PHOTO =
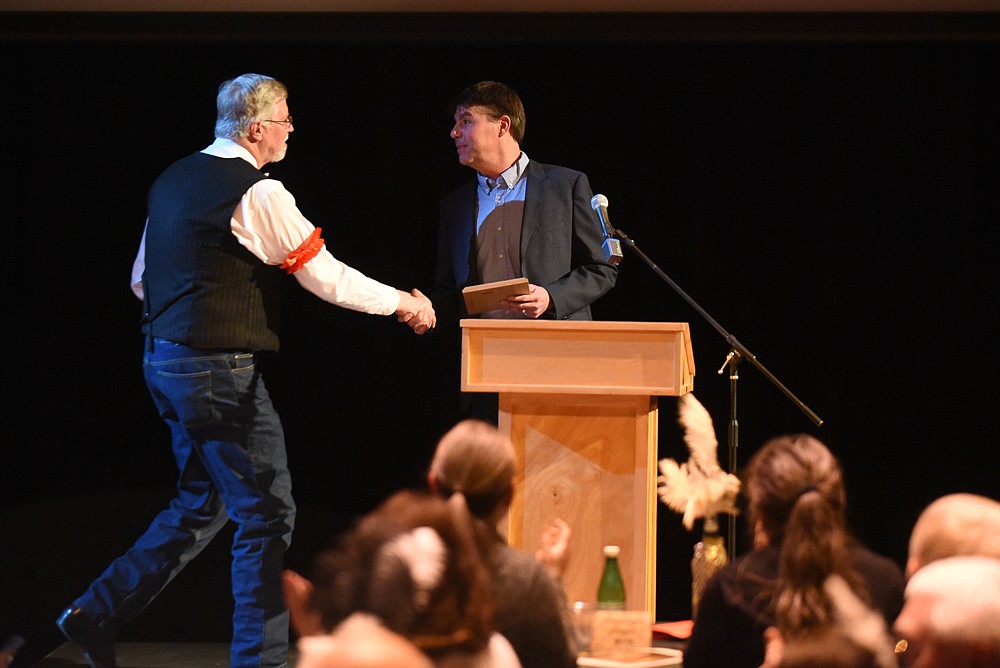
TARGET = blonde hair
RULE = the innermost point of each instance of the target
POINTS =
(474, 458)
(244, 100)
(956, 525)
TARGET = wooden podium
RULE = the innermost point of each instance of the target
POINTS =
(578, 400)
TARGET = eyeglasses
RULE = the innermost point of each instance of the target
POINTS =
(287, 121)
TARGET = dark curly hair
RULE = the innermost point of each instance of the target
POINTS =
(365, 573)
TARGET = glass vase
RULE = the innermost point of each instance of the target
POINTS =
(709, 556)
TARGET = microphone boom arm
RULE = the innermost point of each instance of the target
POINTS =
(737, 352)
(738, 347)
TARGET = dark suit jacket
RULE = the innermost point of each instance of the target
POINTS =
(561, 241)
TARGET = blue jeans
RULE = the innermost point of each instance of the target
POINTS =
(230, 451)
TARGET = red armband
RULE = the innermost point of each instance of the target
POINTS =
(306, 251)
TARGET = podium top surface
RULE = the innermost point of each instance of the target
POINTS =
(577, 357)
(573, 325)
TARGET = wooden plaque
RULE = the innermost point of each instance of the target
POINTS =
(487, 297)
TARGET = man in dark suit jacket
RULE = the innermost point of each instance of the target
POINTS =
(518, 218)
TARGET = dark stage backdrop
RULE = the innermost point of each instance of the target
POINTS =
(825, 186)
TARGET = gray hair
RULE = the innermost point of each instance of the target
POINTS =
(244, 100)
(966, 599)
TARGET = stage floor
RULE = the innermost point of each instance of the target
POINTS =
(151, 655)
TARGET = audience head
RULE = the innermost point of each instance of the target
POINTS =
(360, 642)
(474, 458)
(951, 617)
(789, 474)
(795, 501)
(955, 525)
(418, 563)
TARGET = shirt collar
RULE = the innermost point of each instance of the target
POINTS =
(509, 176)
(227, 148)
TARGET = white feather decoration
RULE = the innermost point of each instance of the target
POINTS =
(698, 487)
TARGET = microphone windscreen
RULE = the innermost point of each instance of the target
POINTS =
(597, 201)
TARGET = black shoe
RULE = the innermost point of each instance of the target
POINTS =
(96, 643)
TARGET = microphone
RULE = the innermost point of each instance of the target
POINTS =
(612, 247)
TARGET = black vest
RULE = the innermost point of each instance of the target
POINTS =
(202, 288)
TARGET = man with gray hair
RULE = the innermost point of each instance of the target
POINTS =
(218, 234)
(951, 618)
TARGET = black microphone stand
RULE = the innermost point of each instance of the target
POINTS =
(737, 352)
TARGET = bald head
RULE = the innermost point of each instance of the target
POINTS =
(955, 525)
(360, 642)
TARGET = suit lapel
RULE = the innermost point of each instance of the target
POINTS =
(533, 196)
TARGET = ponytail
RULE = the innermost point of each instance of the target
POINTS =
(816, 544)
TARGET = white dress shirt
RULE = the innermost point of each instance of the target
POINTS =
(269, 224)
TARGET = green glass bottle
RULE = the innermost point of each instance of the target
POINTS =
(611, 591)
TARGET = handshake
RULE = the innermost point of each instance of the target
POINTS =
(415, 310)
